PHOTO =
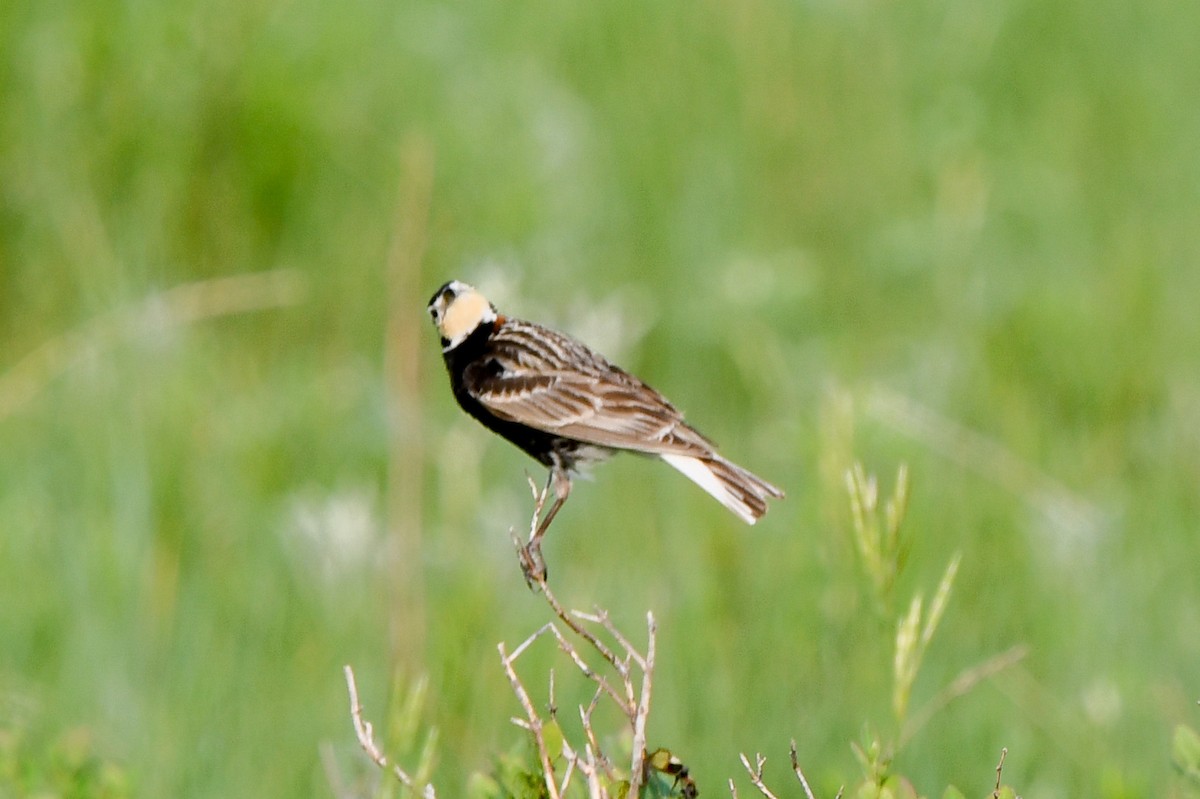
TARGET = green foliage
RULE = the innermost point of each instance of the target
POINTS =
(515, 775)
(913, 636)
(66, 766)
(878, 542)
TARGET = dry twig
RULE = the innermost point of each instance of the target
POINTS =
(619, 682)
(756, 774)
(366, 738)
(532, 721)
(634, 705)
(799, 773)
(1000, 771)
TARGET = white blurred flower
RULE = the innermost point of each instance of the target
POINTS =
(334, 535)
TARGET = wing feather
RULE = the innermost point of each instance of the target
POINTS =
(548, 381)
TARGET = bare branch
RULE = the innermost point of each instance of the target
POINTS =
(595, 759)
(629, 694)
(569, 771)
(585, 717)
(572, 621)
(601, 616)
(534, 721)
(366, 739)
(800, 774)
(625, 704)
(637, 769)
(756, 774)
(538, 633)
(1000, 771)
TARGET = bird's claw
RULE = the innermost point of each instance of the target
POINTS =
(533, 565)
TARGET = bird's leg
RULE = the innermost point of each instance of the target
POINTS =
(562, 489)
(532, 562)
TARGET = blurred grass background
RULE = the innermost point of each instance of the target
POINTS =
(962, 236)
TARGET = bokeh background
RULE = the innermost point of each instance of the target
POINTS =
(961, 236)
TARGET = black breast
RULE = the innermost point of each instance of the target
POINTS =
(546, 448)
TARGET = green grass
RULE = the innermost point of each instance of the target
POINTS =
(772, 211)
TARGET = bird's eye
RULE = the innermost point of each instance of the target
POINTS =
(433, 313)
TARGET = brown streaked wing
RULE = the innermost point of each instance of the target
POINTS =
(545, 380)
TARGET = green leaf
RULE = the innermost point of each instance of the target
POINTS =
(552, 734)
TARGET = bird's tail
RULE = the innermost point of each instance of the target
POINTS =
(741, 491)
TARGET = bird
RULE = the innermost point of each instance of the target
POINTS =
(568, 407)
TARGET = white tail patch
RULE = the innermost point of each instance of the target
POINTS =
(702, 475)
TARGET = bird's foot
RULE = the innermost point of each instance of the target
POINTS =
(533, 565)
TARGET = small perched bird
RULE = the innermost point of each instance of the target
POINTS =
(567, 406)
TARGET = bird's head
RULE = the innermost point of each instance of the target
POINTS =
(457, 310)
